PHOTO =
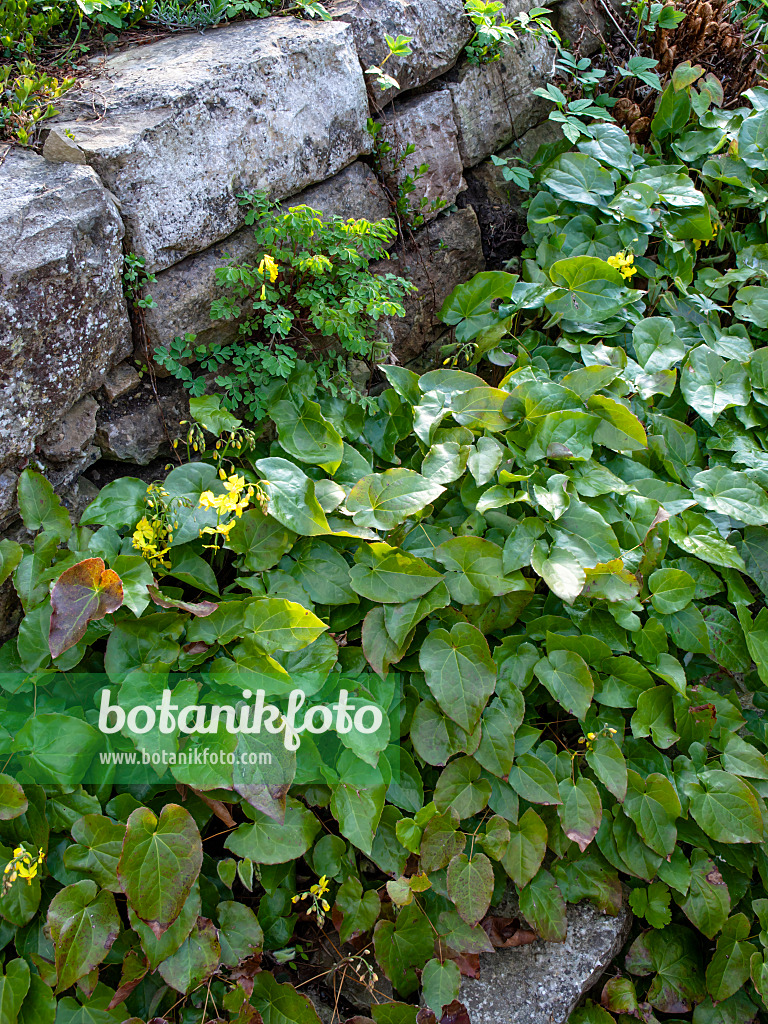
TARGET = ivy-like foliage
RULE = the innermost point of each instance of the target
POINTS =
(552, 587)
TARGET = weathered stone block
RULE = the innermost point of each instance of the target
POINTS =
(139, 426)
(178, 128)
(71, 434)
(494, 103)
(442, 255)
(438, 33)
(427, 123)
(63, 320)
(542, 983)
(184, 293)
(580, 24)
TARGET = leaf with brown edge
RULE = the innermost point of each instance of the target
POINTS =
(201, 609)
(455, 1013)
(159, 863)
(507, 932)
(83, 593)
(134, 970)
(468, 963)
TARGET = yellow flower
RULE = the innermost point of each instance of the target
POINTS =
(268, 268)
(622, 261)
(24, 865)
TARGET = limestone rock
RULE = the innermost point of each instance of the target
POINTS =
(443, 255)
(184, 293)
(494, 103)
(60, 149)
(177, 129)
(542, 983)
(120, 380)
(63, 320)
(427, 123)
(71, 434)
(580, 24)
(438, 33)
(140, 426)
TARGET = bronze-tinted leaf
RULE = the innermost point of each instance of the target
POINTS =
(83, 593)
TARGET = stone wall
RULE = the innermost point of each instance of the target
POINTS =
(148, 156)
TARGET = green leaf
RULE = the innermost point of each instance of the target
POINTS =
(404, 947)
(360, 909)
(83, 593)
(306, 434)
(382, 500)
(654, 806)
(40, 507)
(240, 934)
(526, 849)
(440, 984)
(560, 570)
(459, 671)
(441, 841)
(207, 411)
(14, 985)
(261, 538)
(470, 885)
(83, 923)
(711, 385)
(461, 788)
(159, 949)
(607, 762)
(672, 113)
(728, 969)
(726, 808)
(480, 408)
(280, 1004)
(657, 347)
(543, 906)
(401, 619)
(387, 575)
(707, 903)
(578, 178)
(671, 589)
(159, 863)
(13, 802)
(697, 535)
(96, 850)
(57, 748)
(673, 956)
(580, 811)
(586, 288)
(39, 1006)
(10, 556)
(732, 494)
(120, 503)
(291, 497)
(274, 624)
(357, 800)
(533, 780)
(566, 676)
(652, 904)
(266, 841)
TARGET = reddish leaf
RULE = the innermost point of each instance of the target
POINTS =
(507, 932)
(201, 609)
(455, 1013)
(425, 1016)
(245, 972)
(134, 970)
(83, 593)
(468, 963)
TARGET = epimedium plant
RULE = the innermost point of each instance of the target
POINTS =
(312, 296)
(551, 588)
